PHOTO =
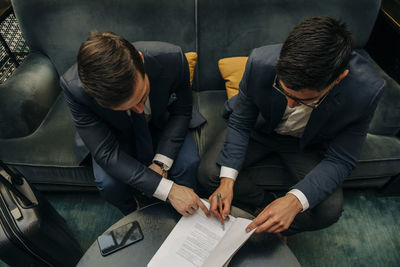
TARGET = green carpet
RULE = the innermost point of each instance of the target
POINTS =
(367, 234)
(87, 214)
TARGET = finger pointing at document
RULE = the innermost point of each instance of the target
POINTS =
(186, 201)
(277, 216)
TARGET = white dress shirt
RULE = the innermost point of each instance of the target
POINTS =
(293, 123)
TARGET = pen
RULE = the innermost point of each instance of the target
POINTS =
(220, 210)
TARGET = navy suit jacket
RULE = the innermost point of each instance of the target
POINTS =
(109, 135)
(339, 124)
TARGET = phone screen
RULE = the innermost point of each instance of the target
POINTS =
(119, 238)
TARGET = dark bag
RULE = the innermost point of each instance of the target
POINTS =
(32, 233)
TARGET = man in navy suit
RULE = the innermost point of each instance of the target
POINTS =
(310, 100)
(132, 108)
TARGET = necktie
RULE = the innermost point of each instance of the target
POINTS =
(144, 144)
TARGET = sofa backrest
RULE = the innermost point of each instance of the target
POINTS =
(230, 28)
(215, 29)
(57, 27)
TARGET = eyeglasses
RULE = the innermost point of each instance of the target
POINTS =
(278, 87)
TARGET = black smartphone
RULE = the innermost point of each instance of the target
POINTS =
(119, 238)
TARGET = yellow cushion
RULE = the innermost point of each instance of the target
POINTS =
(232, 69)
(191, 58)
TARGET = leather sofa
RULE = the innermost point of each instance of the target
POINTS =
(36, 131)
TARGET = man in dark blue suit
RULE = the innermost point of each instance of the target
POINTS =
(310, 100)
(132, 110)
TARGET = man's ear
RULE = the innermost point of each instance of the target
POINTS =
(342, 76)
(141, 55)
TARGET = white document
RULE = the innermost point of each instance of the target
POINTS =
(200, 241)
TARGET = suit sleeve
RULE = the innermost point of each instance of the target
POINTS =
(241, 122)
(180, 111)
(339, 159)
(105, 148)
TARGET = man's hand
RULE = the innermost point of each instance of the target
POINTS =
(185, 200)
(158, 170)
(277, 216)
(226, 190)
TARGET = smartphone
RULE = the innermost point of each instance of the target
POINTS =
(119, 238)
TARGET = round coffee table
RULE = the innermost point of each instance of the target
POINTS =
(159, 219)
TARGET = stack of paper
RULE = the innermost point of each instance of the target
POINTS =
(200, 241)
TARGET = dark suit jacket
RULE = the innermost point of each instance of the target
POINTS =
(339, 124)
(109, 135)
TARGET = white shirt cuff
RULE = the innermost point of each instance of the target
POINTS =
(164, 159)
(301, 197)
(228, 173)
(163, 189)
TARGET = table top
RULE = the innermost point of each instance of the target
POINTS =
(158, 220)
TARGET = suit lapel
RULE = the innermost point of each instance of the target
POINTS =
(320, 115)
(278, 106)
(154, 71)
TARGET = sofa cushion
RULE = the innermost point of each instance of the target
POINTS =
(232, 70)
(209, 103)
(386, 120)
(380, 157)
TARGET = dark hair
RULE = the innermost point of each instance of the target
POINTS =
(107, 67)
(314, 54)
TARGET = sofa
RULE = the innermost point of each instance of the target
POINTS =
(36, 130)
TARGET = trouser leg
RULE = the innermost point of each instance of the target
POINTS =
(245, 190)
(328, 211)
(321, 216)
(115, 192)
(184, 169)
(260, 147)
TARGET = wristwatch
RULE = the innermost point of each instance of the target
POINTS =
(162, 165)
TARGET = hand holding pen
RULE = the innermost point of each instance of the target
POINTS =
(226, 195)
